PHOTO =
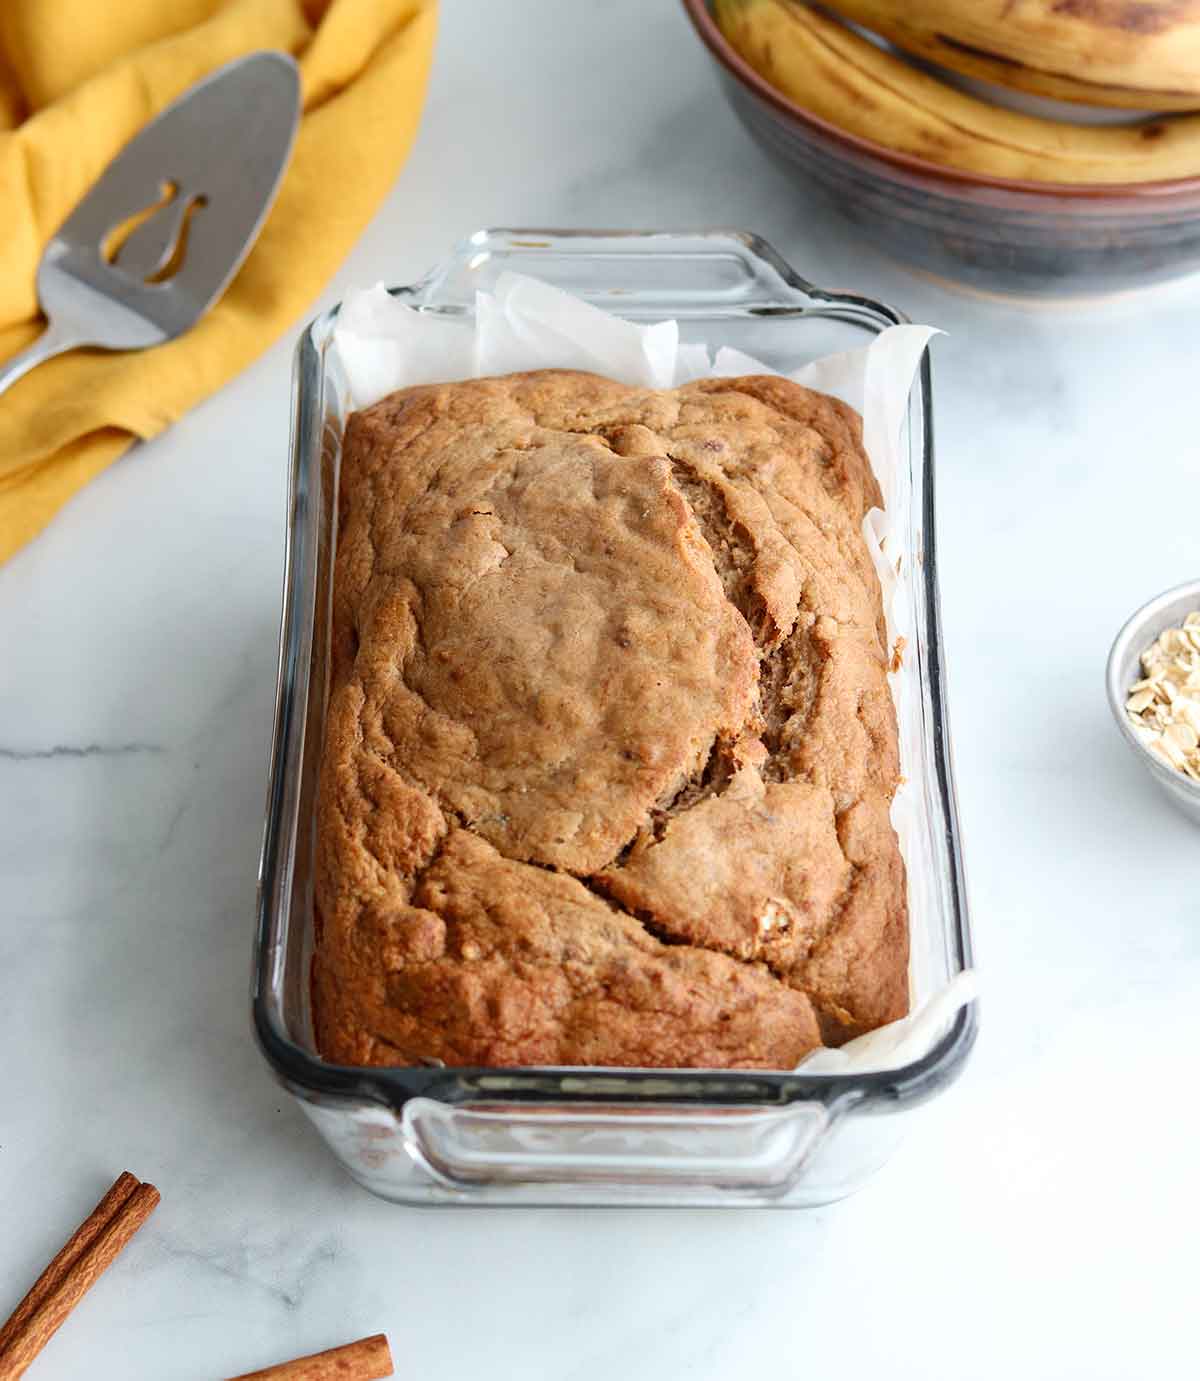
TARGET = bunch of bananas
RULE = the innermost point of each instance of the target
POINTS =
(1131, 54)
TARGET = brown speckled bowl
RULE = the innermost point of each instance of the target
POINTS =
(1032, 239)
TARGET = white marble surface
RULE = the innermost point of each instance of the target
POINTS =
(1041, 1218)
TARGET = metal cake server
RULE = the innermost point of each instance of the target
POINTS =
(202, 177)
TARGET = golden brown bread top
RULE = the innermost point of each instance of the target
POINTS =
(609, 745)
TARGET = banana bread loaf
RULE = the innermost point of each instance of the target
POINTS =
(609, 745)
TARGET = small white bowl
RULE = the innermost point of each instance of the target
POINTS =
(1168, 610)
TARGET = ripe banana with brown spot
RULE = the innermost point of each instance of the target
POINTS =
(830, 70)
(1135, 54)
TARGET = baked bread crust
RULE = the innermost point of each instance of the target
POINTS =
(609, 744)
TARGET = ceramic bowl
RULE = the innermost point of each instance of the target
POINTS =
(997, 235)
(1168, 610)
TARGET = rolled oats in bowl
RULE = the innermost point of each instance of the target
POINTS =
(1164, 706)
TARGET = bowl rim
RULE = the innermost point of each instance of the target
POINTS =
(1131, 632)
(712, 37)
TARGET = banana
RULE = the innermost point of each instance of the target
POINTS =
(1135, 54)
(841, 77)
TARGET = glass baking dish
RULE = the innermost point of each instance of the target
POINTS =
(435, 1135)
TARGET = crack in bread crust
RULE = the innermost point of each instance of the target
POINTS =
(730, 547)
(609, 747)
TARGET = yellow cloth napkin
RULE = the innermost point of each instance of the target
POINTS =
(77, 81)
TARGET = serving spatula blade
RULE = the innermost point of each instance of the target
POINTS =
(202, 177)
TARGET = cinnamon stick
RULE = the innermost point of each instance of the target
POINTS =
(91, 1249)
(366, 1360)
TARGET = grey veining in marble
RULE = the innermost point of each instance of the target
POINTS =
(1040, 1220)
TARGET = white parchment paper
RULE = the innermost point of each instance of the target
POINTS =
(527, 324)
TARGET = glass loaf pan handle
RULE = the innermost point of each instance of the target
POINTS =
(762, 1149)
